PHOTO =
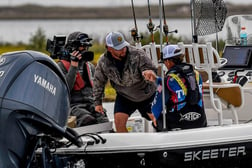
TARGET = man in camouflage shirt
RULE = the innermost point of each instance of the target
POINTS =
(123, 66)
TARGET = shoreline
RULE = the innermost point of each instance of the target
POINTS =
(28, 11)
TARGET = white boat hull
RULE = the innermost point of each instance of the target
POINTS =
(217, 146)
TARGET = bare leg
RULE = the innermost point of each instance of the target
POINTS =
(121, 121)
(152, 118)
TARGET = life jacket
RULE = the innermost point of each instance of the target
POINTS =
(79, 82)
(183, 86)
(189, 88)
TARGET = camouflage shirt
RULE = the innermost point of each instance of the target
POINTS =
(129, 83)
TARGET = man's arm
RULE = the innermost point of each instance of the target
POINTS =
(73, 69)
(145, 62)
(100, 80)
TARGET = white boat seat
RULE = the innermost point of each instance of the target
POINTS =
(204, 58)
(203, 75)
(153, 52)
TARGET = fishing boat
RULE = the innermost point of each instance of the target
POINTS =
(33, 131)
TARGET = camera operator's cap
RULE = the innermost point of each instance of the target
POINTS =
(170, 51)
(78, 36)
(116, 41)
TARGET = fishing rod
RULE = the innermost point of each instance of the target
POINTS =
(165, 26)
(134, 31)
(150, 25)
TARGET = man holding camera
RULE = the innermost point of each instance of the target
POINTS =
(79, 75)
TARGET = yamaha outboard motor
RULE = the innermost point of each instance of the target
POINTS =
(34, 100)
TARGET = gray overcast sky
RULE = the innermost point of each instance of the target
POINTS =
(102, 2)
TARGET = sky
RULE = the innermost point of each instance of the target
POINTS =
(101, 2)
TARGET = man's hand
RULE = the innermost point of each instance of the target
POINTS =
(99, 109)
(149, 75)
(75, 57)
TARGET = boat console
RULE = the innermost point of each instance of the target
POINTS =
(239, 63)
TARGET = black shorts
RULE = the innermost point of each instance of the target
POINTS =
(128, 107)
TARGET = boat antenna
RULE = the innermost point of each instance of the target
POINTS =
(150, 25)
(134, 31)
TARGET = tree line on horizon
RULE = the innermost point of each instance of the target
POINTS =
(180, 10)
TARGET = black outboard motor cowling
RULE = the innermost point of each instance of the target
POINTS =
(34, 99)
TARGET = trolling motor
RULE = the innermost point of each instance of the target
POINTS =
(34, 104)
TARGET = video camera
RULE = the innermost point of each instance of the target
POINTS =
(59, 50)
